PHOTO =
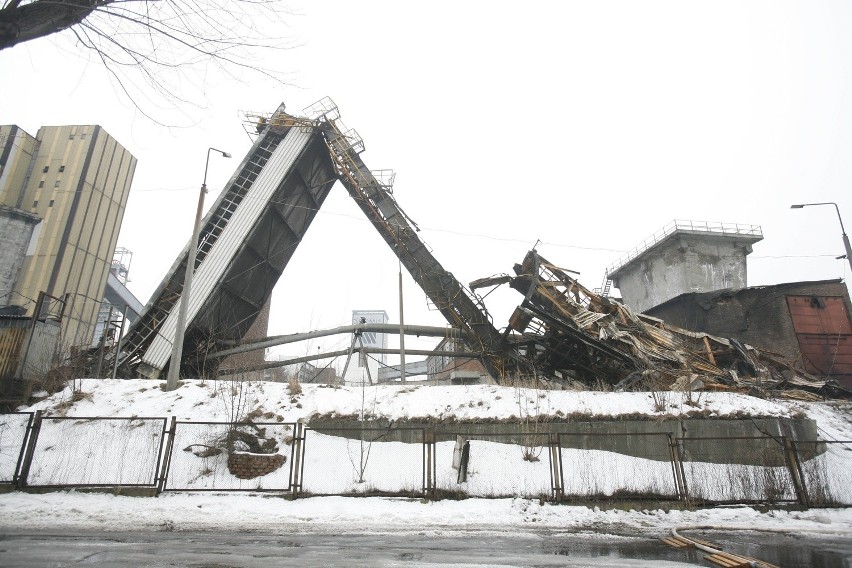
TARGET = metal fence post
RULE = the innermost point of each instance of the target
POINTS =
(23, 470)
(429, 466)
(677, 467)
(167, 455)
(555, 467)
(791, 458)
(297, 461)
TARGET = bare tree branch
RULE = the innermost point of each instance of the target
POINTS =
(160, 47)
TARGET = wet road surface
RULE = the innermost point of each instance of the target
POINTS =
(413, 550)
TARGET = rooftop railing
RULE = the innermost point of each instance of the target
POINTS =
(686, 226)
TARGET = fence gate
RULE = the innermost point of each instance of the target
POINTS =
(94, 452)
(738, 470)
(363, 461)
(494, 465)
(14, 432)
(617, 465)
(224, 456)
(825, 469)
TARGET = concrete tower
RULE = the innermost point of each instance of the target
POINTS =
(685, 256)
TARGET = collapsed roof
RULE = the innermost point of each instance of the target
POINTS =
(567, 333)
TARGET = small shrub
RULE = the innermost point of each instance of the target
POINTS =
(294, 387)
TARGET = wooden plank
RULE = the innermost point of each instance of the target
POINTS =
(727, 560)
(676, 543)
(709, 350)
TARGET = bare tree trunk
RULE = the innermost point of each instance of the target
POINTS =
(20, 23)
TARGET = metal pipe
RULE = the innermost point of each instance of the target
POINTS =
(428, 331)
(118, 344)
(330, 354)
(401, 328)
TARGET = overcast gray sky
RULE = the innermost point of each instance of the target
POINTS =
(586, 125)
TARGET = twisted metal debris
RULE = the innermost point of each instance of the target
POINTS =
(568, 333)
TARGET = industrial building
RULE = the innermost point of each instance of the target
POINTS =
(68, 188)
(693, 274)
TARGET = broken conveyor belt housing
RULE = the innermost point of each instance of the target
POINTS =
(246, 241)
(568, 332)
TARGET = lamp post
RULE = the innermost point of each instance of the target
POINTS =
(180, 329)
(842, 229)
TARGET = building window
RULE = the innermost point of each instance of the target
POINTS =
(35, 203)
(46, 168)
(70, 137)
(61, 168)
(82, 136)
(41, 184)
(56, 183)
(50, 204)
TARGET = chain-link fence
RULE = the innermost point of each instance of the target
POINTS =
(826, 470)
(95, 452)
(493, 465)
(222, 456)
(592, 467)
(199, 456)
(347, 461)
(737, 470)
(13, 434)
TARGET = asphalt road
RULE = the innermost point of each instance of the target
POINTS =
(407, 548)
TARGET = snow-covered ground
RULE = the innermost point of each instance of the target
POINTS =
(223, 400)
(212, 401)
(173, 511)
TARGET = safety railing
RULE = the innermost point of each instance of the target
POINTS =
(686, 226)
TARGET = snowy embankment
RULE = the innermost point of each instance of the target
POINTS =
(214, 401)
(222, 401)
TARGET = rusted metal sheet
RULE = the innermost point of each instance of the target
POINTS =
(821, 315)
(12, 335)
(824, 332)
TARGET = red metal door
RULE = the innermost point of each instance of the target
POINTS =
(824, 332)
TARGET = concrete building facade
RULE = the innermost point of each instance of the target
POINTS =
(685, 256)
(77, 180)
(16, 235)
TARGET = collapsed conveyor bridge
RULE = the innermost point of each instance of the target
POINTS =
(252, 230)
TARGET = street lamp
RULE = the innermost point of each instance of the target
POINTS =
(180, 329)
(842, 229)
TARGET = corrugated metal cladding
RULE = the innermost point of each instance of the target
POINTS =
(824, 331)
(42, 350)
(12, 335)
(222, 254)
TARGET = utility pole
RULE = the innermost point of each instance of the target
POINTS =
(842, 228)
(180, 329)
(401, 328)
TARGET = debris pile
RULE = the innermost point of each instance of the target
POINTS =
(570, 334)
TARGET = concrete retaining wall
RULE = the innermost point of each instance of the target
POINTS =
(637, 438)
